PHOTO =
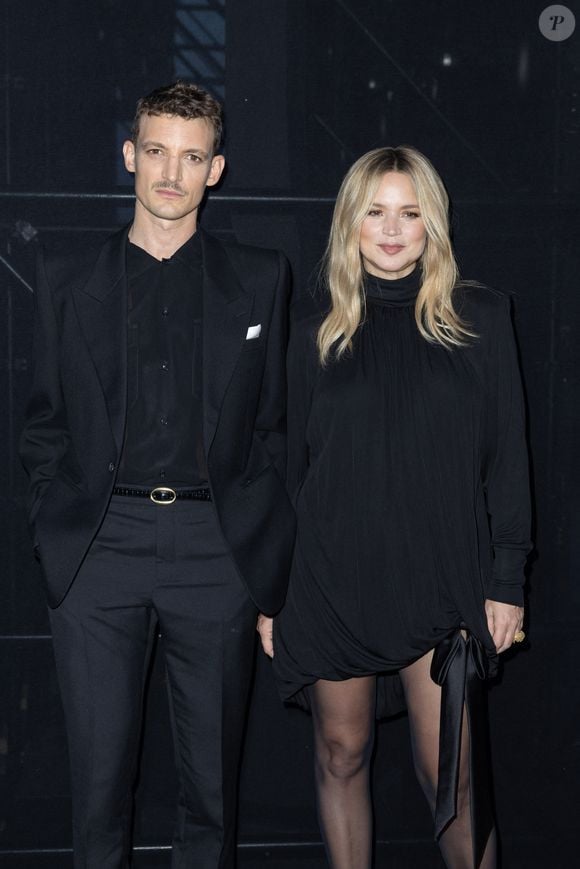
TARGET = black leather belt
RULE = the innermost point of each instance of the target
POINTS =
(164, 494)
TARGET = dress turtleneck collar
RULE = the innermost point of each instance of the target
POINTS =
(399, 293)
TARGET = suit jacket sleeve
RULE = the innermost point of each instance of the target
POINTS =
(271, 414)
(45, 436)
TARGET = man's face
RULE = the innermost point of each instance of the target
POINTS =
(173, 164)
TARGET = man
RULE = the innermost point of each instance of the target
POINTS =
(155, 447)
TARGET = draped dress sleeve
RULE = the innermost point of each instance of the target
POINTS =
(505, 469)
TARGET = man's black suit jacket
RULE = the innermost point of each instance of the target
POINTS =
(76, 415)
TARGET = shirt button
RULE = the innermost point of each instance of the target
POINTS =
(111, 467)
(163, 420)
(164, 311)
(165, 365)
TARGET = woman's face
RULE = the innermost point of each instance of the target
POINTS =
(392, 236)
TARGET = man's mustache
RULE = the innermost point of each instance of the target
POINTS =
(167, 185)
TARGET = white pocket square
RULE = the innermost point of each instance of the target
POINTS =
(253, 332)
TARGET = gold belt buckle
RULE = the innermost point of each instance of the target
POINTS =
(163, 495)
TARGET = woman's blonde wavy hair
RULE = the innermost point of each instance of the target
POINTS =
(342, 266)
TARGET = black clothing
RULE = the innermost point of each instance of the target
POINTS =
(164, 436)
(111, 564)
(408, 468)
(76, 416)
(170, 565)
(398, 294)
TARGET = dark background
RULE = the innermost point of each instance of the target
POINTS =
(309, 86)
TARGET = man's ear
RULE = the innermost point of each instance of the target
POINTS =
(129, 155)
(217, 167)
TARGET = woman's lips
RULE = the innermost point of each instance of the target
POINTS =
(391, 249)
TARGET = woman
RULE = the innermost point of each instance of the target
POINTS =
(408, 468)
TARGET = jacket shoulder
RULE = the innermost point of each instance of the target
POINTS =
(69, 267)
(245, 252)
(479, 306)
(260, 271)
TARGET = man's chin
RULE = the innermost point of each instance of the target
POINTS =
(173, 214)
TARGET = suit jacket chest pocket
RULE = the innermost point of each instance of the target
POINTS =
(250, 371)
(251, 359)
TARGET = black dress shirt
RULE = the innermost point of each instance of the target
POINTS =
(164, 435)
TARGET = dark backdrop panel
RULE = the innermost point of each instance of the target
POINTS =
(309, 86)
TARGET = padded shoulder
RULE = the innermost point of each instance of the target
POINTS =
(480, 306)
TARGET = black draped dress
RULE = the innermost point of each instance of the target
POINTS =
(408, 468)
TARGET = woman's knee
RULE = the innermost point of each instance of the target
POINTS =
(342, 756)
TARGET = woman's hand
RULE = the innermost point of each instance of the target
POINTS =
(264, 628)
(504, 620)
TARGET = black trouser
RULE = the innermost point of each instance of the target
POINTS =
(168, 565)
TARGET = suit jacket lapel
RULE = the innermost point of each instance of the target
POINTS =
(101, 305)
(226, 314)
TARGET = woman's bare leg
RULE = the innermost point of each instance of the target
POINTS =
(424, 702)
(344, 718)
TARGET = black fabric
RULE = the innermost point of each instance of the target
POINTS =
(459, 667)
(165, 568)
(407, 464)
(164, 435)
(76, 415)
(398, 294)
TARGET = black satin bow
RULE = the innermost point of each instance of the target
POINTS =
(460, 666)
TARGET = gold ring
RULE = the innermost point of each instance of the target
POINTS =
(519, 637)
